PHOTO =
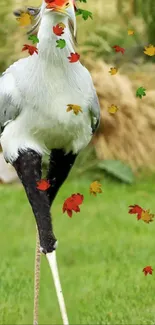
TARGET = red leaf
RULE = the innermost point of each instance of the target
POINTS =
(31, 49)
(58, 30)
(74, 57)
(71, 204)
(78, 198)
(118, 49)
(148, 270)
(43, 185)
(136, 209)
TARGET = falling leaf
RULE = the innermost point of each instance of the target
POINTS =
(113, 71)
(74, 57)
(58, 30)
(149, 50)
(113, 109)
(147, 270)
(72, 204)
(146, 216)
(95, 187)
(118, 49)
(62, 25)
(31, 49)
(76, 109)
(43, 185)
(85, 13)
(140, 92)
(33, 38)
(136, 209)
(130, 32)
(61, 43)
(24, 19)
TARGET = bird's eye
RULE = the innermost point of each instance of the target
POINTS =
(32, 12)
(67, 4)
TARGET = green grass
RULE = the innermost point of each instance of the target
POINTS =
(102, 251)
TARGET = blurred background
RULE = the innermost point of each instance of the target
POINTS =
(104, 249)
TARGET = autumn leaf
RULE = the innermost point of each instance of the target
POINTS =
(58, 30)
(61, 43)
(72, 204)
(113, 109)
(118, 49)
(147, 270)
(43, 185)
(33, 38)
(74, 57)
(113, 71)
(62, 25)
(149, 50)
(130, 32)
(140, 92)
(78, 198)
(146, 216)
(24, 19)
(136, 209)
(95, 187)
(76, 109)
(31, 49)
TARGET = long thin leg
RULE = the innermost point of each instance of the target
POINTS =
(28, 167)
(59, 167)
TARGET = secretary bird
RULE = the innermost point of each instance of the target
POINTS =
(34, 94)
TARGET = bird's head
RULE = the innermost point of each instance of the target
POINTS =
(62, 8)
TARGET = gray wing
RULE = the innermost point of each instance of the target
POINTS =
(8, 110)
(95, 112)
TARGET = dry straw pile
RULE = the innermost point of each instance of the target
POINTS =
(129, 135)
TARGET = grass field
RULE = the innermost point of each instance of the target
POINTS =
(102, 251)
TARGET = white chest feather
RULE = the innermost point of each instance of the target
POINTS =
(45, 91)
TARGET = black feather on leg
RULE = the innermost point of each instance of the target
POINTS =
(59, 168)
(28, 167)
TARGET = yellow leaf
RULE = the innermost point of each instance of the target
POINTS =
(25, 19)
(130, 32)
(113, 71)
(146, 216)
(149, 50)
(62, 25)
(95, 187)
(112, 109)
(76, 109)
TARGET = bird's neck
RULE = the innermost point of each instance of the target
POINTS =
(47, 50)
